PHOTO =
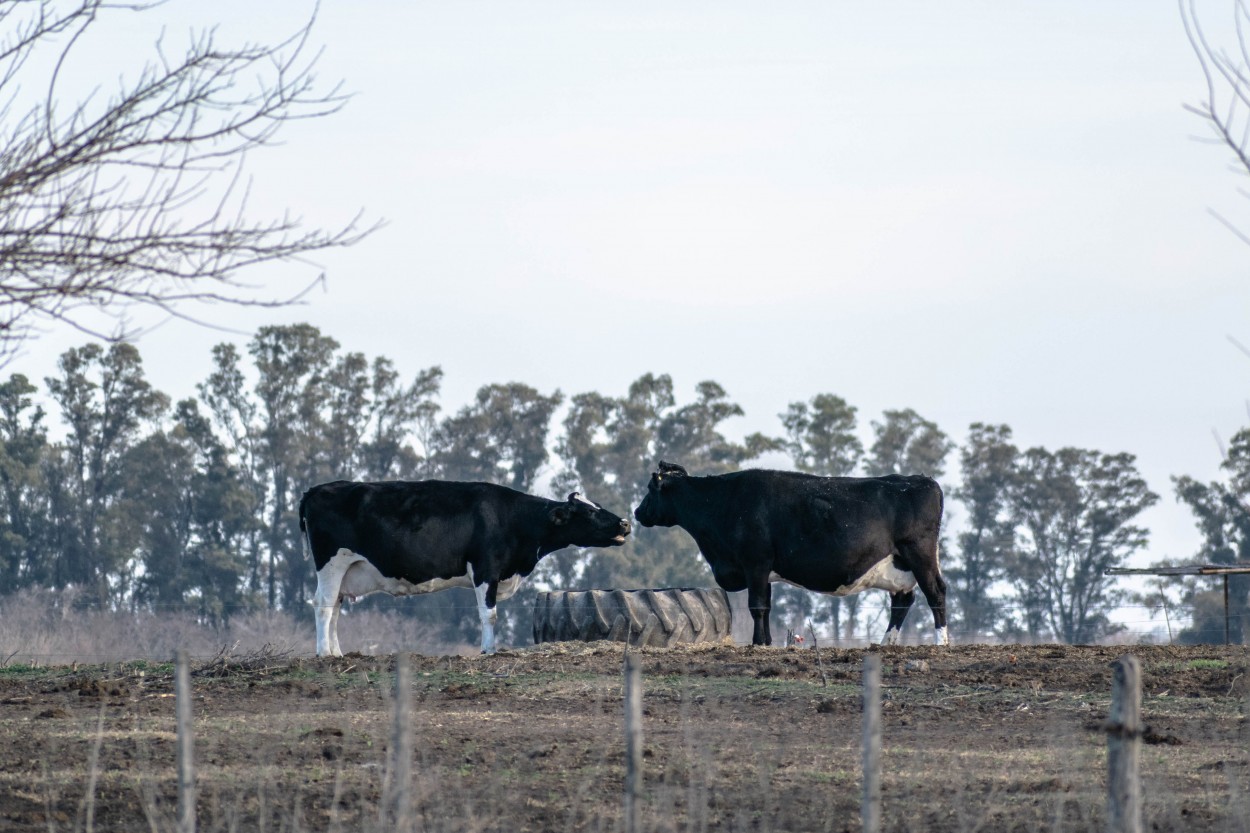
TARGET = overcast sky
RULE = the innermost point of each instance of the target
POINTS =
(985, 211)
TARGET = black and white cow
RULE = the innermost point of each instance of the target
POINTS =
(404, 538)
(834, 535)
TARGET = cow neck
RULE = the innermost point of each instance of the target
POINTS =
(698, 500)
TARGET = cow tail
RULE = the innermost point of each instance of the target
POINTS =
(303, 523)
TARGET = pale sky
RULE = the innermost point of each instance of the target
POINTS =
(985, 211)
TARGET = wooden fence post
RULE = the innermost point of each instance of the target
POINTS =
(824, 679)
(185, 743)
(633, 740)
(1124, 730)
(870, 807)
(401, 749)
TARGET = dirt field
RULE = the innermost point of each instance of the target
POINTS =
(976, 738)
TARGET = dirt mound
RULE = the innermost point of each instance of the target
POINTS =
(977, 737)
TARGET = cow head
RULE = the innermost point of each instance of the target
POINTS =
(585, 523)
(657, 507)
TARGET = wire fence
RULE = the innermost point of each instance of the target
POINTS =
(40, 629)
(440, 601)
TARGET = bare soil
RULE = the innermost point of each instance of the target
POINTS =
(984, 738)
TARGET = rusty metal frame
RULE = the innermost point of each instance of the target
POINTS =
(1222, 570)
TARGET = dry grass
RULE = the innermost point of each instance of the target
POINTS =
(982, 739)
(42, 627)
(742, 759)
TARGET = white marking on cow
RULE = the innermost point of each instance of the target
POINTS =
(893, 636)
(940, 637)
(350, 576)
(881, 576)
(326, 600)
(578, 496)
(487, 615)
(365, 579)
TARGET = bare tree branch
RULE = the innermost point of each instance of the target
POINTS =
(139, 198)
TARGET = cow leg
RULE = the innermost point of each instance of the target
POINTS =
(900, 603)
(335, 650)
(924, 558)
(486, 595)
(934, 588)
(326, 605)
(327, 618)
(760, 603)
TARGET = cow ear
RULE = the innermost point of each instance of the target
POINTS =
(560, 514)
(671, 470)
(573, 497)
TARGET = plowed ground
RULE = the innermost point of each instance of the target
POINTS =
(976, 738)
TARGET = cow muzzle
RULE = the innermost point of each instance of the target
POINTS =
(626, 527)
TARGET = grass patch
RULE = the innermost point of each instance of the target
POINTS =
(21, 670)
(1208, 664)
(148, 667)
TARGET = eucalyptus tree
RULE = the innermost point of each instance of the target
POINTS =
(906, 443)
(220, 512)
(402, 419)
(291, 364)
(1076, 510)
(1221, 512)
(105, 402)
(235, 412)
(501, 437)
(154, 500)
(192, 516)
(608, 449)
(24, 528)
(821, 436)
(987, 544)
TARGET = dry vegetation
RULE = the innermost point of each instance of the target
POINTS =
(47, 628)
(977, 738)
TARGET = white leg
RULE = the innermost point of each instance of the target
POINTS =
(892, 636)
(488, 617)
(326, 607)
(940, 637)
(327, 639)
(335, 650)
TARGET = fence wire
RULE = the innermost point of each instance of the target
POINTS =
(52, 636)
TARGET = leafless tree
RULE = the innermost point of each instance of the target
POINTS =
(1226, 108)
(136, 198)
(1227, 111)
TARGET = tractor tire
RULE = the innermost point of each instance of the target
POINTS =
(654, 618)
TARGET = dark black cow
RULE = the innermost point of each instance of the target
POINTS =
(404, 538)
(835, 535)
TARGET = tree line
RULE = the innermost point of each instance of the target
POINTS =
(148, 504)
